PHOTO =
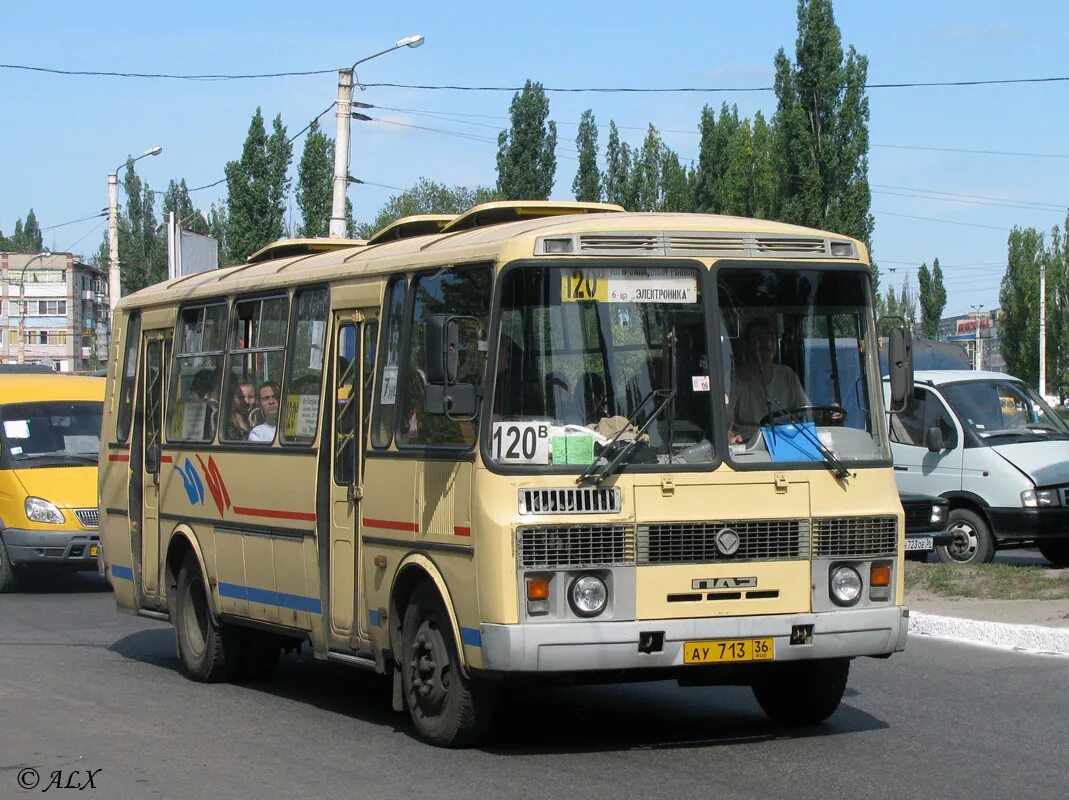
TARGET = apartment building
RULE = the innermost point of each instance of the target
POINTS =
(65, 319)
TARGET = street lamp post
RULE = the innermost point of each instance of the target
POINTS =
(114, 284)
(977, 358)
(22, 304)
(341, 136)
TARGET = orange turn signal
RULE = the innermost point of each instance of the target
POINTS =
(537, 589)
(880, 575)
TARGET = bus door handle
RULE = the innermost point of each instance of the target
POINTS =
(354, 493)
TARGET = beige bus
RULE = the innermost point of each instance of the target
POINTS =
(536, 440)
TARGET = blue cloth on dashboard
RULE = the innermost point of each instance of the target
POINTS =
(792, 442)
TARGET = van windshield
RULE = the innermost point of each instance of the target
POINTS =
(57, 433)
(1003, 411)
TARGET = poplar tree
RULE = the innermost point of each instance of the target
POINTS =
(256, 189)
(27, 237)
(1019, 300)
(142, 247)
(315, 183)
(177, 199)
(822, 137)
(933, 298)
(526, 155)
(615, 174)
(587, 183)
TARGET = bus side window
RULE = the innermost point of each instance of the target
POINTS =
(198, 362)
(371, 343)
(254, 362)
(385, 418)
(129, 371)
(345, 370)
(304, 374)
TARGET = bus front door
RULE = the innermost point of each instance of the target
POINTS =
(356, 335)
(156, 348)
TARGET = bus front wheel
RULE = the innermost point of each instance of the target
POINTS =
(802, 692)
(209, 652)
(446, 708)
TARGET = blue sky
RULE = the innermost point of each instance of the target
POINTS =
(61, 135)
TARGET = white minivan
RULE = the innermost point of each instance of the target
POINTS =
(989, 444)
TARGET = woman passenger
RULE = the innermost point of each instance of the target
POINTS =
(237, 420)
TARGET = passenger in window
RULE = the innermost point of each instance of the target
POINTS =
(242, 400)
(761, 385)
(267, 396)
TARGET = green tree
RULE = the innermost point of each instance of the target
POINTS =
(256, 189)
(315, 182)
(526, 155)
(933, 298)
(647, 172)
(177, 199)
(142, 245)
(615, 174)
(27, 237)
(217, 229)
(1019, 300)
(427, 197)
(907, 303)
(821, 123)
(587, 183)
(676, 190)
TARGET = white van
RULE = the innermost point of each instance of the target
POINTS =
(993, 447)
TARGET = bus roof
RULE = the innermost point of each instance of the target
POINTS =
(415, 225)
(33, 388)
(295, 247)
(503, 211)
(607, 234)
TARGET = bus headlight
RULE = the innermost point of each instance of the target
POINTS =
(845, 585)
(40, 510)
(588, 595)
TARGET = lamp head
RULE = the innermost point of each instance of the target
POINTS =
(415, 40)
(153, 151)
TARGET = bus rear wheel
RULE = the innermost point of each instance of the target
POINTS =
(209, 652)
(802, 692)
(446, 708)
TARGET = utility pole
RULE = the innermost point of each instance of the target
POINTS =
(114, 289)
(1042, 326)
(977, 357)
(341, 154)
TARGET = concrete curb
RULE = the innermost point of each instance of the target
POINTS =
(1027, 638)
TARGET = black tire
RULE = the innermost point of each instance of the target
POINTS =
(1056, 551)
(210, 653)
(973, 542)
(9, 581)
(447, 709)
(802, 692)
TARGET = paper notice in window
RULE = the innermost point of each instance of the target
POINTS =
(193, 415)
(17, 428)
(302, 414)
(389, 385)
(700, 383)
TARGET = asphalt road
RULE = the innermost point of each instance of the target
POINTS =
(85, 688)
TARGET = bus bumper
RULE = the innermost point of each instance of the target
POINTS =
(71, 549)
(583, 646)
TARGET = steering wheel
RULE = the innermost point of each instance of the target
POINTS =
(821, 415)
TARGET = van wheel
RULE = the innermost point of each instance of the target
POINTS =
(447, 709)
(209, 652)
(802, 692)
(8, 580)
(973, 542)
(1056, 551)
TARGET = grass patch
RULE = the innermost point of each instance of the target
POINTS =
(989, 581)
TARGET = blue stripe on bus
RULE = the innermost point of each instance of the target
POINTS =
(374, 618)
(268, 598)
(124, 573)
(471, 636)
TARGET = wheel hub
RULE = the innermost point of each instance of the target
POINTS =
(429, 667)
(965, 543)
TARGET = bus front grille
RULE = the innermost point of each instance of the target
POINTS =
(572, 500)
(854, 537)
(723, 541)
(560, 546)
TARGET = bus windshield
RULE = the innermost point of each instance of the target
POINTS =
(54, 432)
(590, 361)
(800, 344)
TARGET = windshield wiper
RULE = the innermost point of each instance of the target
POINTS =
(831, 461)
(598, 474)
(59, 458)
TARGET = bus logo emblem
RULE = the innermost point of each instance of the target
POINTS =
(727, 541)
(724, 583)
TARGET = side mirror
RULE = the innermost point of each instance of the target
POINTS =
(900, 368)
(456, 401)
(440, 350)
(933, 438)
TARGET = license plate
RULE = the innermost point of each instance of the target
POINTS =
(92, 551)
(717, 651)
(920, 543)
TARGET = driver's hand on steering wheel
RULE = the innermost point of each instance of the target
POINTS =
(735, 438)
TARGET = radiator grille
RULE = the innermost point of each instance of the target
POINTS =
(89, 517)
(696, 542)
(918, 516)
(586, 500)
(556, 546)
(855, 537)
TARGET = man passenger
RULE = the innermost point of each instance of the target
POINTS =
(267, 397)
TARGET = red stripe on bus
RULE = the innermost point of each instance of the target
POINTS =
(167, 460)
(118, 457)
(273, 514)
(461, 531)
(390, 525)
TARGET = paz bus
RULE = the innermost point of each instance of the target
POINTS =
(502, 445)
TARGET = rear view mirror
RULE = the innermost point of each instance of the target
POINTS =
(440, 351)
(933, 438)
(456, 401)
(900, 368)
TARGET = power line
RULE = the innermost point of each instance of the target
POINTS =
(978, 152)
(163, 75)
(995, 201)
(944, 221)
(74, 221)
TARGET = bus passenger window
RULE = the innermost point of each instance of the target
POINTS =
(463, 293)
(194, 409)
(300, 415)
(254, 361)
(386, 408)
(129, 371)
